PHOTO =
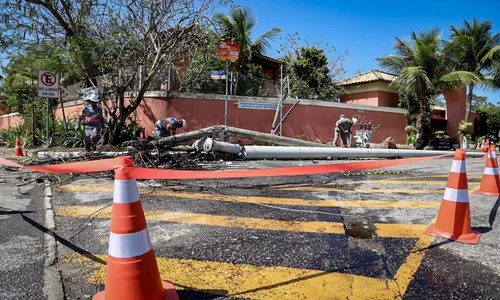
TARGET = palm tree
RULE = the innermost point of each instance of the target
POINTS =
(474, 48)
(423, 71)
(238, 26)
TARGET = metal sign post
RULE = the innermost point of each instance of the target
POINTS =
(227, 93)
(228, 52)
(48, 87)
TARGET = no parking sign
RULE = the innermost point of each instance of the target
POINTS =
(48, 85)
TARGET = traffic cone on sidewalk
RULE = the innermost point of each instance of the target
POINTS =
(18, 151)
(132, 271)
(483, 147)
(490, 183)
(453, 220)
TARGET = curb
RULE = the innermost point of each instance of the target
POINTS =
(52, 279)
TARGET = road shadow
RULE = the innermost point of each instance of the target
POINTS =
(494, 212)
(189, 293)
(322, 273)
(62, 240)
(6, 211)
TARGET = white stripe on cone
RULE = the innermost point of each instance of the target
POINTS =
(458, 166)
(490, 171)
(455, 195)
(125, 191)
(129, 245)
(492, 155)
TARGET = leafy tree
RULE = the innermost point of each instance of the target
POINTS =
(490, 117)
(251, 80)
(292, 47)
(423, 71)
(475, 48)
(478, 101)
(110, 39)
(238, 26)
(200, 60)
(20, 82)
(310, 77)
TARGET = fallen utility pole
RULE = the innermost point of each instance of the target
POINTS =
(183, 137)
(267, 152)
(238, 132)
(269, 138)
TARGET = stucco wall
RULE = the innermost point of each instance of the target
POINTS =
(363, 98)
(312, 119)
(10, 120)
(388, 99)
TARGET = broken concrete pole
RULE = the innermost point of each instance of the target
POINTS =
(268, 138)
(183, 137)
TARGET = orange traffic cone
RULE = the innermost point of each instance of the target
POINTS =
(18, 151)
(490, 183)
(483, 147)
(132, 271)
(453, 220)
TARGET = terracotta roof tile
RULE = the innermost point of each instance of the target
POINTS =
(370, 76)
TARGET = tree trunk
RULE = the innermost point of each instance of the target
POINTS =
(468, 103)
(114, 133)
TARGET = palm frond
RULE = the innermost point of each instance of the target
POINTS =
(391, 63)
(490, 54)
(413, 80)
(459, 79)
(262, 44)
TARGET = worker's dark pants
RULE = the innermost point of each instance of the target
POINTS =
(161, 133)
(91, 137)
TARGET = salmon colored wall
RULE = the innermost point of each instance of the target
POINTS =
(363, 98)
(309, 120)
(312, 121)
(11, 121)
(71, 112)
(388, 99)
(372, 98)
(455, 110)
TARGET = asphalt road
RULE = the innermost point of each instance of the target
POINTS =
(285, 238)
(21, 241)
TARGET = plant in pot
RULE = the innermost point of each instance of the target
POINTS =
(411, 135)
(472, 140)
(441, 141)
(463, 129)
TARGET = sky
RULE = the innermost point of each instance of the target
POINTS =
(367, 29)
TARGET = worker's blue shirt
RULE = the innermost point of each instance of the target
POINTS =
(345, 123)
(91, 117)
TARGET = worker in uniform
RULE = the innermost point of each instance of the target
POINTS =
(167, 126)
(93, 121)
(343, 130)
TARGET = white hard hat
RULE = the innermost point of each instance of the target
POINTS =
(354, 121)
(184, 123)
(94, 98)
(91, 94)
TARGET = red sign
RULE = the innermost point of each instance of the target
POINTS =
(229, 51)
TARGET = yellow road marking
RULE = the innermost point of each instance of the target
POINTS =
(383, 230)
(265, 200)
(328, 189)
(398, 181)
(437, 176)
(256, 282)
(407, 270)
